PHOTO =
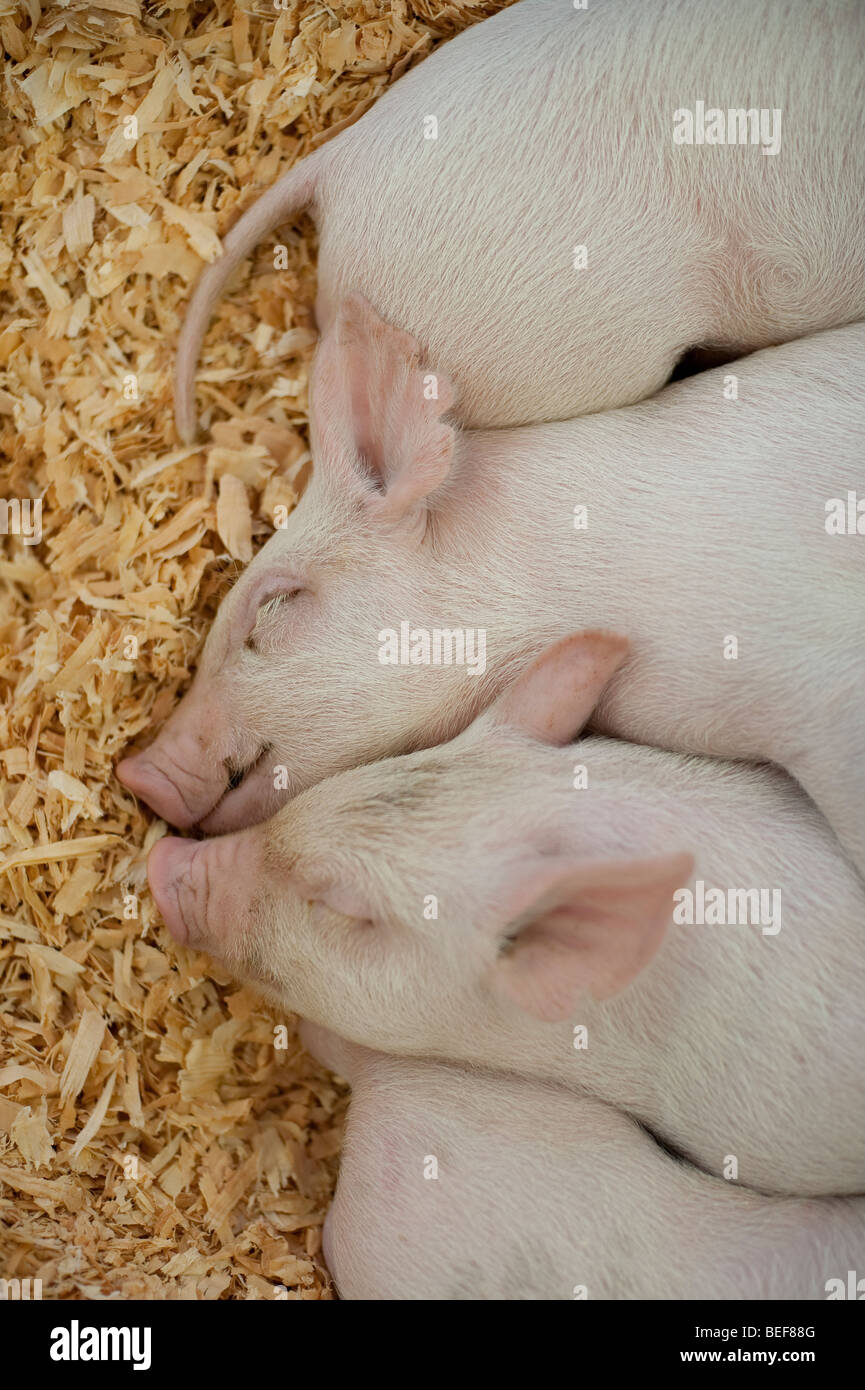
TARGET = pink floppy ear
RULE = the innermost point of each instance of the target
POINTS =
(373, 407)
(552, 698)
(590, 928)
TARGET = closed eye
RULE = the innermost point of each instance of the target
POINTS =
(267, 609)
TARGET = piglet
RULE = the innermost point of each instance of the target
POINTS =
(561, 201)
(504, 901)
(704, 524)
(461, 1185)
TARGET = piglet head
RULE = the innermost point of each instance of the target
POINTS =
(291, 685)
(406, 903)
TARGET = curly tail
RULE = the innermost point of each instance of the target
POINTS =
(287, 197)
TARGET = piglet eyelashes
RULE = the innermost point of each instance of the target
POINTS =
(236, 772)
(267, 608)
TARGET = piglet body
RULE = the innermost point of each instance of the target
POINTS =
(504, 901)
(518, 202)
(459, 1185)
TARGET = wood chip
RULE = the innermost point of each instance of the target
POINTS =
(82, 1054)
(234, 518)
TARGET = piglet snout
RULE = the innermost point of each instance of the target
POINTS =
(203, 888)
(184, 772)
(172, 877)
(176, 801)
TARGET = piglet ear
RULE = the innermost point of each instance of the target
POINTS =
(553, 697)
(583, 929)
(376, 411)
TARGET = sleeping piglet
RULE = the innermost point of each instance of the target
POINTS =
(698, 523)
(560, 201)
(460, 1185)
(505, 901)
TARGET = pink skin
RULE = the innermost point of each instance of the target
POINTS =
(406, 518)
(143, 775)
(554, 906)
(207, 891)
(548, 1189)
(182, 875)
(186, 771)
(467, 240)
(170, 867)
(234, 713)
(730, 247)
(178, 795)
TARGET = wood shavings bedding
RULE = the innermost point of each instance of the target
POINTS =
(154, 1142)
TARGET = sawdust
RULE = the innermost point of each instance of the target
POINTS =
(161, 1134)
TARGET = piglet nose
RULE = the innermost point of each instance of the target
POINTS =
(204, 888)
(141, 774)
(171, 875)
